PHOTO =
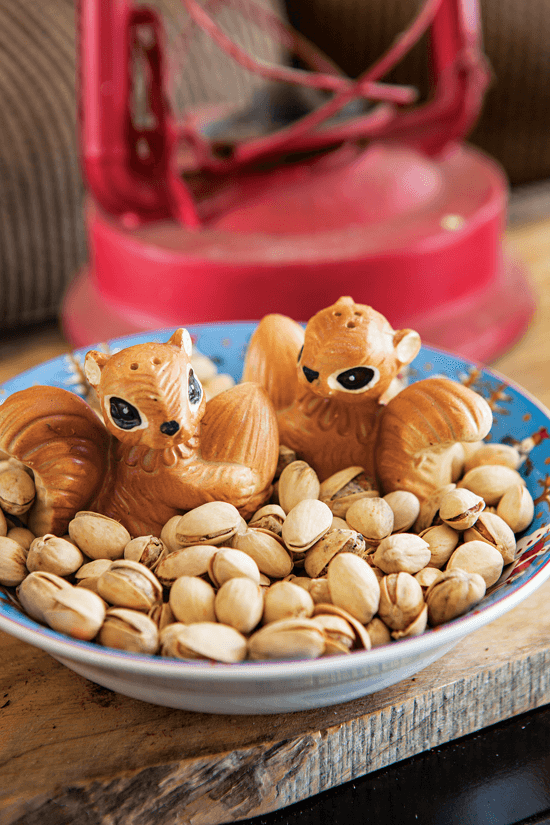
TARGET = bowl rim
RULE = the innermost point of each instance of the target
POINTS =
(90, 653)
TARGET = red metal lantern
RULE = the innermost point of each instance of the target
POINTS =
(188, 224)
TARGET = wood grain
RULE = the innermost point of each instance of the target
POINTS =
(74, 752)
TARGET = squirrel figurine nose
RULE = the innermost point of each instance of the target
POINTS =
(169, 427)
(310, 375)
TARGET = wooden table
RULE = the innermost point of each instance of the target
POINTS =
(73, 752)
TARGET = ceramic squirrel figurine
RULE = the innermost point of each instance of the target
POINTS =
(328, 384)
(162, 450)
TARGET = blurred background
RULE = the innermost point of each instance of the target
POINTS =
(42, 233)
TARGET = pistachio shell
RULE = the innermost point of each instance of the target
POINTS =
(54, 555)
(338, 633)
(416, 627)
(130, 630)
(129, 584)
(353, 586)
(345, 487)
(13, 558)
(491, 481)
(517, 508)
(478, 557)
(269, 517)
(37, 593)
(453, 594)
(297, 482)
(379, 633)
(429, 509)
(203, 640)
(98, 536)
(305, 524)
(405, 507)
(285, 600)
(212, 523)
(185, 561)
(442, 540)
(192, 600)
(401, 600)
(87, 575)
(21, 535)
(268, 553)
(287, 639)
(230, 563)
(335, 541)
(402, 552)
(427, 576)
(147, 550)
(505, 455)
(372, 517)
(493, 529)
(460, 508)
(77, 612)
(239, 603)
(362, 638)
(286, 457)
(17, 491)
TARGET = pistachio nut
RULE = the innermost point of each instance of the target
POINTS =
(147, 550)
(285, 600)
(478, 557)
(269, 517)
(372, 517)
(212, 523)
(493, 529)
(17, 491)
(269, 554)
(341, 489)
(379, 633)
(240, 604)
(129, 584)
(339, 524)
(402, 552)
(13, 562)
(54, 555)
(297, 482)
(87, 575)
(185, 561)
(287, 639)
(320, 591)
(442, 540)
(38, 592)
(353, 586)
(168, 534)
(98, 536)
(453, 594)
(406, 508)
(203, 640)
(460, 508)
(362, 639)
(429, 509)
(77, 612)
(192, 600)
(286, 457)
(130, 630)
(416, 627)
(335, 541)
(401, 600)
(504, 455)
(161, 614)
(21, 535)
(305, 524)
(427, 576)
(338, 633)
(517, 508)
(230, 563)
(490, 481)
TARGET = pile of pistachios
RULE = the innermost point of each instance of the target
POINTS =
(325, 568)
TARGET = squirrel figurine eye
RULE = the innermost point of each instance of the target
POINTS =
(357, 378)
(194, 389)
(124, 414)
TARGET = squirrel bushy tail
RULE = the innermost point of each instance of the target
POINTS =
(59, 437)
(419, 427)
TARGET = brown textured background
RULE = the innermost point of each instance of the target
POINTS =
(42, 240)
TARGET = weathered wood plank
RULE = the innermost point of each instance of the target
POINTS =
(73, 751)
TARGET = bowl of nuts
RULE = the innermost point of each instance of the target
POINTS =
(328, 590)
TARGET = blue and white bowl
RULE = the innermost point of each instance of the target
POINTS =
(273, 687)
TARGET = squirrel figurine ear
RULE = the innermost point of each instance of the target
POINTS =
(407, 345)
(182, 340)
(93, 364)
